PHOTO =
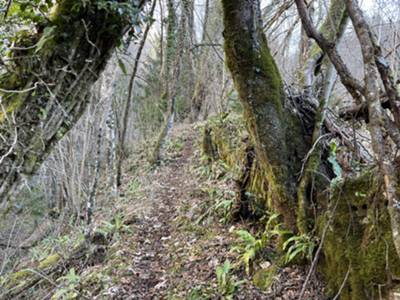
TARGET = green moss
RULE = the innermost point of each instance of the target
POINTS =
(49, 261)
(18, 277)
(359, 235)
(264, 278)
(276, 134)
(11, 107)
(358, 241)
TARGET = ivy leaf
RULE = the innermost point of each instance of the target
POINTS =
(48, 35)
(122, 66)
(332, 159)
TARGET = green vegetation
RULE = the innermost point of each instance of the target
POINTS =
(69, 284)
(355, 224)
(210, 161)
(227, 284)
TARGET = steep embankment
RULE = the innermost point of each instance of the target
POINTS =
(169, 237)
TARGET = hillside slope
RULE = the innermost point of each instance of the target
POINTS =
(165, 239)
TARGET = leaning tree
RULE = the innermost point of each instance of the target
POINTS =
(47, 72)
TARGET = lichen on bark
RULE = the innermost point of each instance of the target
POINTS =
(61, 60)
(359, 257)
(273, 129)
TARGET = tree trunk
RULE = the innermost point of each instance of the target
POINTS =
(376, 120)
(319, 77)
(171, 90)
(271, 126)
(129, 100)
(351, 220)
(44, 97)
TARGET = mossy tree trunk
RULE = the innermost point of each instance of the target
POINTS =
(45, 93)
(379, 141)
(352, 220)
(319, 78)
(277, 134)
(173, 61)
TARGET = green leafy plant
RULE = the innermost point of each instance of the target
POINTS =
(224, 208)
(69, 284)
(274, 228)
(114, 228)
(175, 145)
(220, 204)
(197, 294)
(299, 246)
(134, 187)
(337, 169)
(227, 285)
(248, 248)
(204, 169)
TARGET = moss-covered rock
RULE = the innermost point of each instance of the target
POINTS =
(264, 278)
(358, 241)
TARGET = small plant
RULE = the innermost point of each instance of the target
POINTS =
(248, 248)
(197, 294)
(274, 228)
(299, 246)
(220, 204)
(114, 228)
(69, 285)
(227, 286)
(134, 187)
(224, 208)
(204, 169)
(174, 145)
(337, 169)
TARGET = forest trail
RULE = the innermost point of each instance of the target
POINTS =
(173, 255)
(165, 239)
(176, 256)
(170, 185)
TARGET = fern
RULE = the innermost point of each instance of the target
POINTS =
(248, 248)
(296, 246)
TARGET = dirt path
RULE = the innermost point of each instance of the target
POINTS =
(171, 256)
(169, 187)
(169, 240)
(174, 257)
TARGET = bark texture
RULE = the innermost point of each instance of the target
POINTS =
(45, 93)
(350, 216)
(273, 128)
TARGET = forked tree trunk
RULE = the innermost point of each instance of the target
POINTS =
(358, 256)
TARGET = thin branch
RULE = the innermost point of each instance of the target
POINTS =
(7, 9)
(343, 284)
(353, 86)
(19, 91)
